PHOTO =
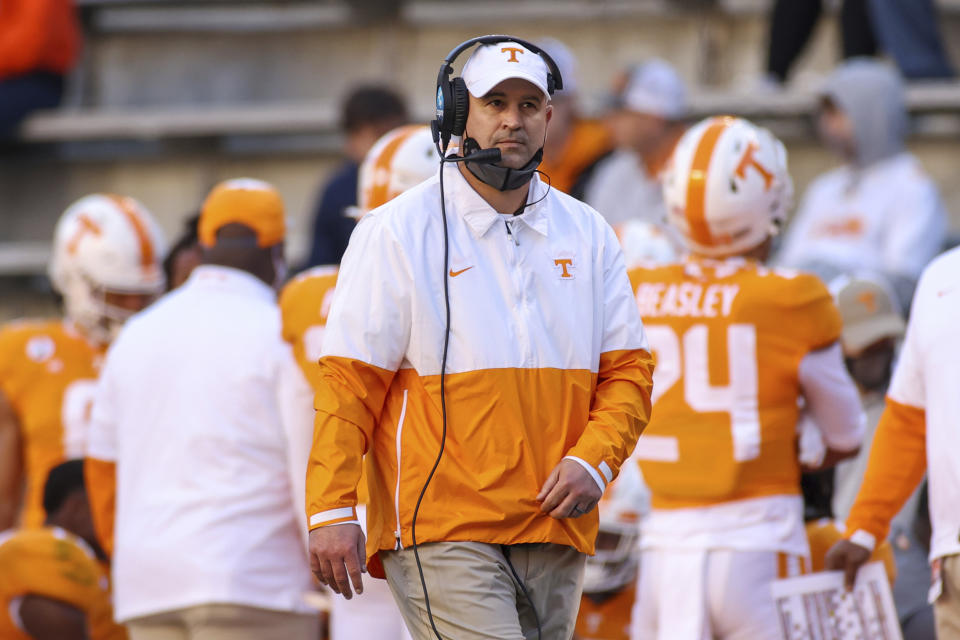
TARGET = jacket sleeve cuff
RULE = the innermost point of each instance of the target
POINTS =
(342, 515)
(864, 539)
(601, 480)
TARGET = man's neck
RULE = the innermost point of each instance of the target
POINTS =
(501, 201)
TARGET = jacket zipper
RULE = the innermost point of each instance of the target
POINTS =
(396, 492)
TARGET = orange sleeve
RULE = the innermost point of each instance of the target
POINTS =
(897, 463)
(815, 320)
(100, 477)
(54, 567)
(619, 413)
(349, 400)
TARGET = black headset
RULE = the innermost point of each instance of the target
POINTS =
(453, 100)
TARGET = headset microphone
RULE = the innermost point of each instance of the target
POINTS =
(483, 156)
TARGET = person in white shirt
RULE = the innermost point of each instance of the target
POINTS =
(626, 184)
(919, 432)
(873, 326)
(525, 409)
(209, 537)
(879, 211)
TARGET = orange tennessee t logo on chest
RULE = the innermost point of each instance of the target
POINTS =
(565, 265)
(513, 53)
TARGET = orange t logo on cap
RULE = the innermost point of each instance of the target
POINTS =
(513, 53)
(868, 300)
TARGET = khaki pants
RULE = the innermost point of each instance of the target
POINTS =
(225, 622)
(947, 607)
(474, 596)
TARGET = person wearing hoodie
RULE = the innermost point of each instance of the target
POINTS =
(880, 211)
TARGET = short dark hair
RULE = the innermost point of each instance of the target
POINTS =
(372, 104)
(62, 481)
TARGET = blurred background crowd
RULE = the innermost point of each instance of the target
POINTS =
(161, 99)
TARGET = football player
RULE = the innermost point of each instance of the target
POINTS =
(52, 582)
(402, 158)
(737, 345)
(610, 578)
(106, 266)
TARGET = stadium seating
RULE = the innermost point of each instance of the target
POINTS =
(172, 95)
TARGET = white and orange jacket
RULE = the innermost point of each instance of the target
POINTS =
(919, 432)
(547, 360)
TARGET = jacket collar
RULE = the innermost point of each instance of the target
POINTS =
(480, 216)
(230, 279)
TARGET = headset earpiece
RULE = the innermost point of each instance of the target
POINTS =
(461, 106)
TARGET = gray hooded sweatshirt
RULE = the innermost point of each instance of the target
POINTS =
(871, 94)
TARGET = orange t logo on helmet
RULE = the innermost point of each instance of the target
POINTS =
(748, 160)
(513, 53)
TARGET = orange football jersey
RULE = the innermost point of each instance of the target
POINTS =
(606, 620)
(824, 533)
(48, 372)
(304, 305)
(728, 337)
(55, 564)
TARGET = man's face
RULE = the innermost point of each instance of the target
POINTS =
(512, 117)
(640, 132)
(836, 129)
(873, 366)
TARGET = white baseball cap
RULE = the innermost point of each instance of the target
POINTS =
(655, 88)
(869, 309)
(491, 64)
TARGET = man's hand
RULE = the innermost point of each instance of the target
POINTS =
(569, 491)
(848, 557)
(337, 557)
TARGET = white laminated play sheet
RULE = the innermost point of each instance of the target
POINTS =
(818, 607)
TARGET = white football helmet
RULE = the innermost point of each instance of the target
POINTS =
(402, 158)
(617, 557)
(727, 187)
(646, 243)
(105, 244)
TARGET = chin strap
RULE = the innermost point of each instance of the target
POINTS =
(499, 177)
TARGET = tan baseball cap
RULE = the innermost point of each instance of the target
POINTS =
(869, 311)
(491, 64)
(248, 201)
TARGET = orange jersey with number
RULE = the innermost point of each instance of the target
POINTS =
(728, 338)
(51, 563)
(304, 305)
(48, 372)
(606, 620)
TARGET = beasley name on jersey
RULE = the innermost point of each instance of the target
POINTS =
(48, 373)
(728, 337)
